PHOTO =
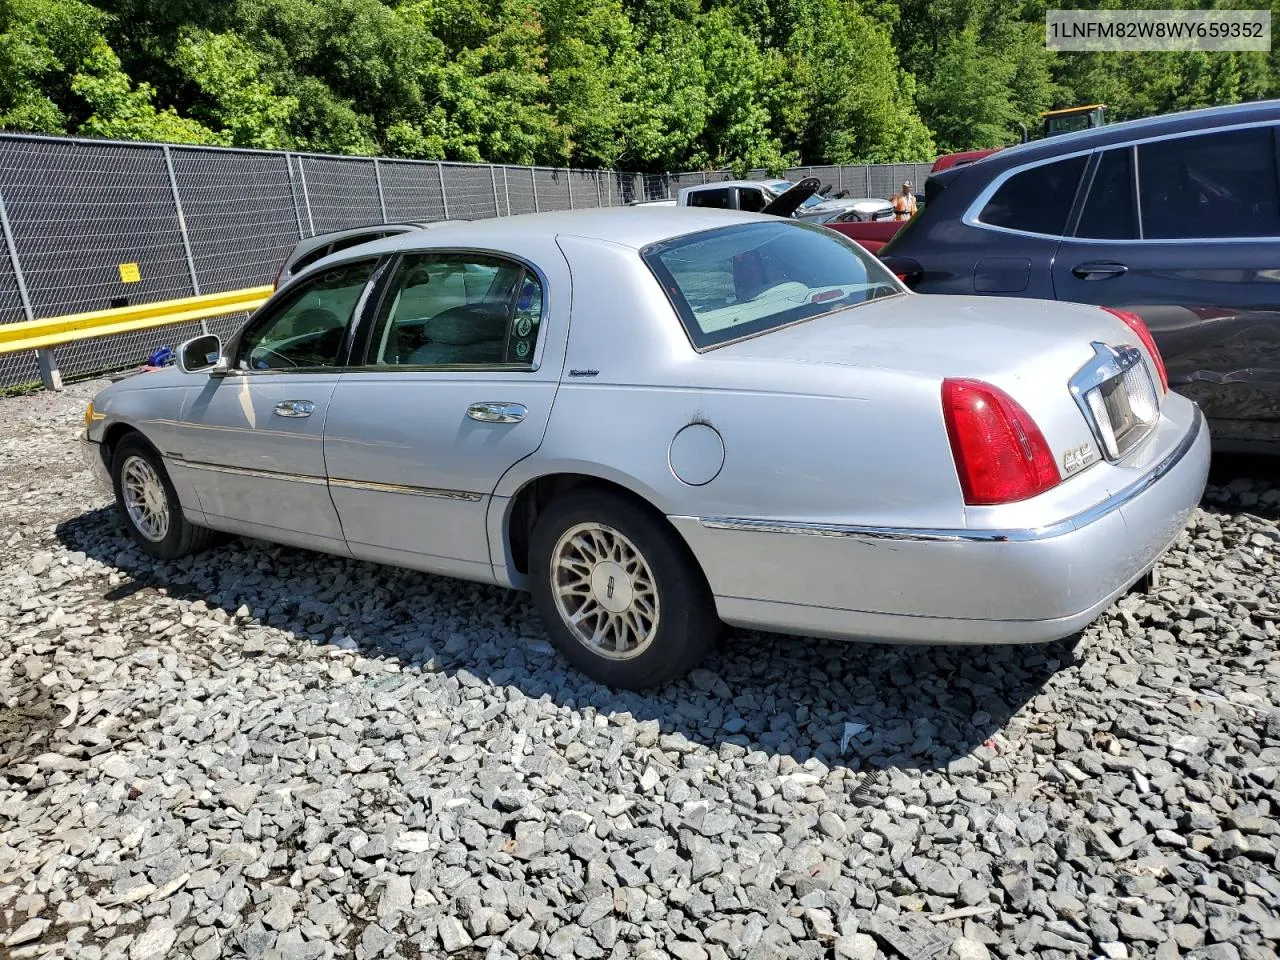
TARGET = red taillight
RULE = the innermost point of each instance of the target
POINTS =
(1141, 331)
(1000, 454)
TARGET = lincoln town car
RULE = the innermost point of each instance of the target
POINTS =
(662, 420)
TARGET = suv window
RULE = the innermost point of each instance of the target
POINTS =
(711, 198)
(751, 199)
(449, 310)
(747, 279)
(1108, 213)
(1210, 185)
(1036, 200)
(307, 330)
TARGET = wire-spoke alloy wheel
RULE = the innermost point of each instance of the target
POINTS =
(144, 499)
(147, 503)
(622, 596)
(605, 591)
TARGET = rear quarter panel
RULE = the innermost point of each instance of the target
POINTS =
(802, 442)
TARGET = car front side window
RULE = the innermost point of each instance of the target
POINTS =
(308, 329)
(446, 310)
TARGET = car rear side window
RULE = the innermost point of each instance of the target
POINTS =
(719, 199)
(1036, 200)
(1108, 212)
(458, 310)
(1211, 185)
(747, 279)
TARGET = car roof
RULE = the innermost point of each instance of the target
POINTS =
(735, 183)
(627, 226)
(1187, 121)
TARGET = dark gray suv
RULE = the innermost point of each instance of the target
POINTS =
(1175, 218)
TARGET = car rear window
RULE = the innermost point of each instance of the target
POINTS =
(738, 281)
(1036, 200)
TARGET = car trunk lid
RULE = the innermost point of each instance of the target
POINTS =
(1048, 356)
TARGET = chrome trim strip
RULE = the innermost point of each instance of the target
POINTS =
(405, 489)
(247, 472)
(1014, 535)
(336, 482)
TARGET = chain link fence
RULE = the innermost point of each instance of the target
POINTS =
(93, 224)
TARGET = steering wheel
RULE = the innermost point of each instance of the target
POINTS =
(274, 353)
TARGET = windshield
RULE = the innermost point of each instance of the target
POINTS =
(746, 279)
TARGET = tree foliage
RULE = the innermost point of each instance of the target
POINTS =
(635, 84)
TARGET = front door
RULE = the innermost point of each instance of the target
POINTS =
(251, 441)
(449, 396)
(1184, 231)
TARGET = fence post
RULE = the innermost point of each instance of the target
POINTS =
(444, 200)
(568, 180)
(506, 189)
(377, 176)
(293, 194)
(182, 228)
(493, 178)
(599, 196)
(866, 179)
(306, 196)
(50, 376)
(533, 178)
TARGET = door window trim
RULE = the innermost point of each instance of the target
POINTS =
(364, 347)
(971, 214)
(286, 298)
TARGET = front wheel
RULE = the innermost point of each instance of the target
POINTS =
(622, 598)
(148, 504)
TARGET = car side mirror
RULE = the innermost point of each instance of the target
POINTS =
(201, 353)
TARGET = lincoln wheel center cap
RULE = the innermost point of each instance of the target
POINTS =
(611, 586)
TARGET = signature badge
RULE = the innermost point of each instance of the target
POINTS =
(1077, 458)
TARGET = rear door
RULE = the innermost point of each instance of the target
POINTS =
(1186, 230)
(455, 387)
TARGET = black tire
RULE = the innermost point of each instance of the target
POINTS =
(686, 624)
(182, 537)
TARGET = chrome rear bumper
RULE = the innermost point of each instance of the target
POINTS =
(966, 585)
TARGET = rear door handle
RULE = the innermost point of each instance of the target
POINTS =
(295, 408)
(1099, 270)
(497, 411)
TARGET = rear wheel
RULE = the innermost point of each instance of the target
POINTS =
(148, 505)
(621, 596)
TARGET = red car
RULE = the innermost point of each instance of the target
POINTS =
(948, 160)
(872, 234)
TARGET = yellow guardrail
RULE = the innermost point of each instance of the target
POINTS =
(51, 331)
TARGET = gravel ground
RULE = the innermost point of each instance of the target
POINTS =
(271, 753)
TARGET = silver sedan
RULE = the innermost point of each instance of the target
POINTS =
(662, 421)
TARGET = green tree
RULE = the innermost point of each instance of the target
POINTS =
(853, 101)
(238, 98)
(124, 111)
(42, 44)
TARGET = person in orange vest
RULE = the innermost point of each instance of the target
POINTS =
(904, 204)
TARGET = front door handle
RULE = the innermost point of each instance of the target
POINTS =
(295, 408)
(499, 411)
(1099, 270)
